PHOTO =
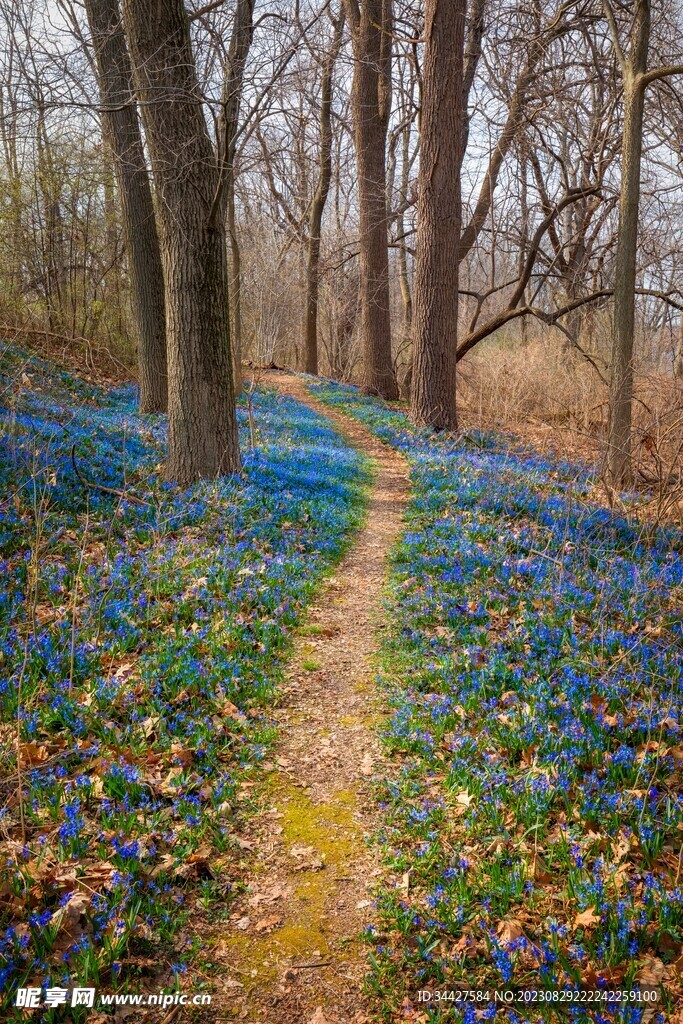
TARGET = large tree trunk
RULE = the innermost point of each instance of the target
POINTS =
(438, 231)
(371, 31)
(318, 204)
(203, 439)
(122, 133)
(621, 381)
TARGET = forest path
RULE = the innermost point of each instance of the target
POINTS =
(291, 949)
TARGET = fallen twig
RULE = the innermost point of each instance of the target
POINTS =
(125, 495)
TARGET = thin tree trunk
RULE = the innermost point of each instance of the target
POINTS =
(621, 382)
(403, 278)
(115, 285)
(318, 204)
(203, 439)
(224, 198)
(54, 262)
(122, 133)
(678, 351)
(523, 223)
(439, 218)
(9, 134)
(371, 31)
(235, 286)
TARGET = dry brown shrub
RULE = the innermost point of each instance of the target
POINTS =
(554, 398)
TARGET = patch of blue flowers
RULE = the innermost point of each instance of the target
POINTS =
(142, 637)
(533, 661)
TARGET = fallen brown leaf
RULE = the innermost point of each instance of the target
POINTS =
(266, 924)
(510, 930)
(318, 1017)
(586, 919)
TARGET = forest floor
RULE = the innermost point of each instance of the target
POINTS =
(388, 711)
(292, 952)
(144, 635)
(532, 803)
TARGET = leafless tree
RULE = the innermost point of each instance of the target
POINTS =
(320, 199)
(438, 236)
(636, 77)
(122, 131)
(228, 123)
(203, 438)
(371, 23)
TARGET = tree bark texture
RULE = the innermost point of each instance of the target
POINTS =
(371, 24)
(203, 438)
(439, 217)
(122, 132)
(621, 379)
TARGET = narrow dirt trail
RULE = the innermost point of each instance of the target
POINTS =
(290, 951)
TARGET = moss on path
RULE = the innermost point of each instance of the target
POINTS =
(291, 950)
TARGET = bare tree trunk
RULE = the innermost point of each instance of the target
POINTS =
(9, 134)
(621, 381)
(224, 199)
(523, 222)
(678, 351)
(114, 289)
(439, 216)
(235, 286)
(371, 31)
(54, 262)
(203, 439)
(122, 132)
(319, 200)
(403, 278)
